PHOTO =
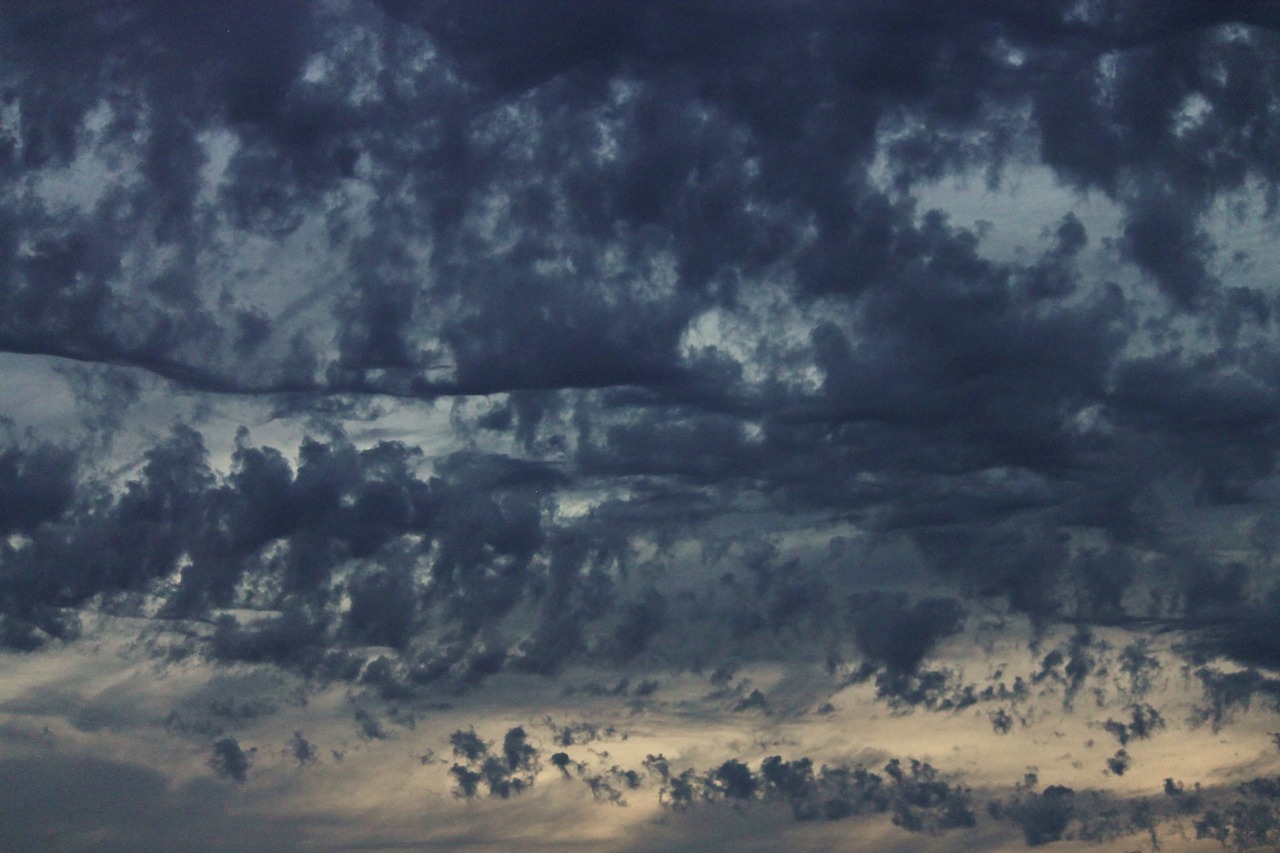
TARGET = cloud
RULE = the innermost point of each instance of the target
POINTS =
(230, 761)
(510, 773)
(899, 635)
(302, 750)
(62, 801)
(1144, 721)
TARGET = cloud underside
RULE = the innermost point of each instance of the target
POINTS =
(412, 345)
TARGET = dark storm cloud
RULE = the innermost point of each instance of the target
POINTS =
(177, 509)
(191, 64)
(195, 538)
(797, 91)
(37, 485)
(899, 635)
(832, 90)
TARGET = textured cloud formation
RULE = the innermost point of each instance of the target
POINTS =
(689, 360)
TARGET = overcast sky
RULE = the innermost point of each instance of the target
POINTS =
(633, 426)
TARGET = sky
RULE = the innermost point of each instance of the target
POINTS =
(638, 426)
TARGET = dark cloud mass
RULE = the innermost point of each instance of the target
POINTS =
(415, 347)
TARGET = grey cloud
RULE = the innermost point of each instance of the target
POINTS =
(1120, 762)
(1225, 693)
(38, 486)
(52, 802)
(230, 760)
(303, 751)
(1144, 721)
(1043, 816)
(506, 774)
(899, 635)
(918, 797)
